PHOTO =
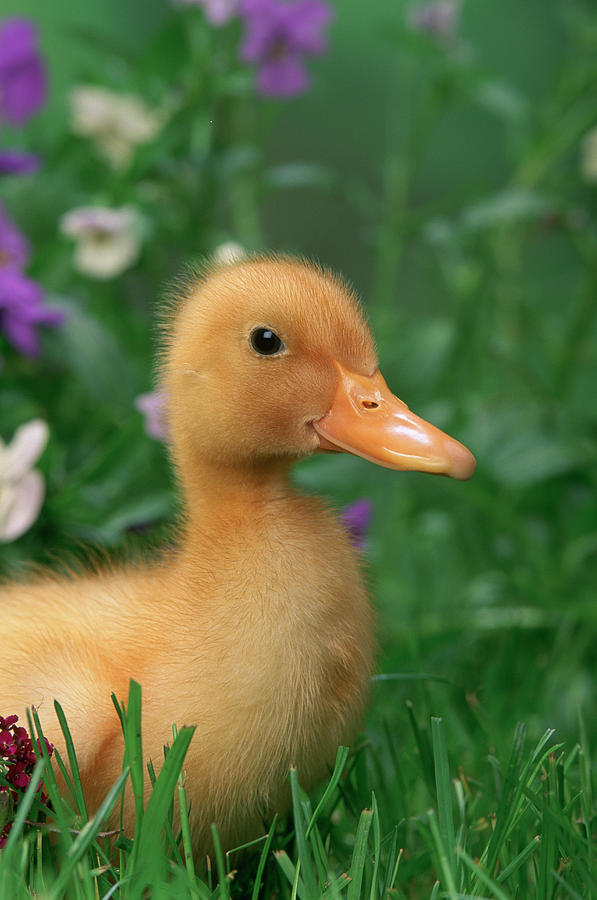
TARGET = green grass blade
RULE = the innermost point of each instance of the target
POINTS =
(341, 757)
(320, 856)
(359, 855)
(304, 853)
(290, 871)
(569, 891)
(120, 710)
(150, 838)
(444, 866)
(85, 838)
(263, 859)
(72, 759)
(65, 773)
(223, 891)
(394, 875)
(519, 860)
(335, 887)
(61, 812)
(586, 785)
(444, 793)
(134, 750)
(424, 748)
(482, 875)
(376, 846)
(185, 828)
(511, 799)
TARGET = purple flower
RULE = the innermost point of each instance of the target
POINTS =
(22, 311)
(21, 299)
(22, 72)
(278, 34)
(14, 246)
(356, 518)
(13, 162)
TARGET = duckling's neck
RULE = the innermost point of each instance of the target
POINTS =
(215, 491)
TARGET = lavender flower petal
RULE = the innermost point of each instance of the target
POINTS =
(305, 21)
(14, 247)
(356, 518)
(282, 77)
(14, 162)
(22, 311)
(277, 35)
(22, 71)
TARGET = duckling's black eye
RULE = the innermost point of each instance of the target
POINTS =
(266, 342)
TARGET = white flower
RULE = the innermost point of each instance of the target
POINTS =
(439, 19)
(117, 122)
(228, 252)
(217, 12)
(21, 486)
(588, 156)
(107, 239)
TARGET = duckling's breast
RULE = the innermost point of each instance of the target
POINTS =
(275, 656)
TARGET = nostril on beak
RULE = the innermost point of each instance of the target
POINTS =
(369, 404)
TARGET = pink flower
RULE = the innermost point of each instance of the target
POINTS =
(7, 744)
(152, 407)
(8, 721)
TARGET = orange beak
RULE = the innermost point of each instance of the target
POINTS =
(368, 420)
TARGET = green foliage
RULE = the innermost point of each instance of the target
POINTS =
(522, 828)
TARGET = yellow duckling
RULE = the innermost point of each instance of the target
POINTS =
(257, 628)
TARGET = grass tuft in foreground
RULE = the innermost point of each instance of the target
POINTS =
(526, 831)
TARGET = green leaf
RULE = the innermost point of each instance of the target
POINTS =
(502, 99)
(507, 207)
(300, 175)
(96, 359)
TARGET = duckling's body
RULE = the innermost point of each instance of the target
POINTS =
(267, 658)
(257, 627)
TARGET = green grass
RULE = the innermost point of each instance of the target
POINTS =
(392, 822)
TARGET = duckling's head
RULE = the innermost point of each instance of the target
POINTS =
(270, 359)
